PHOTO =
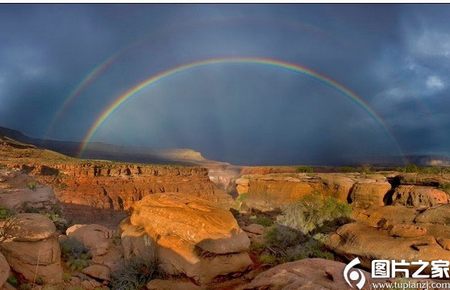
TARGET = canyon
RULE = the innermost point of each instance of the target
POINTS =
(205, 225)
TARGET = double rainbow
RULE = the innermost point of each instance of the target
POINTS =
(152, 80)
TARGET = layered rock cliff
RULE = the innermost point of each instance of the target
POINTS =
(105, 184)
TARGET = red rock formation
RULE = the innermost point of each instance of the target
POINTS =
(110, 185)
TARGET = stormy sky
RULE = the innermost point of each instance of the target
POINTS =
(395, 57)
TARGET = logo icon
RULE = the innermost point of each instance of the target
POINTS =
(354, 275)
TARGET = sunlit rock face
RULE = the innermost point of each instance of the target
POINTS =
(417, 196)
(190, 236)
(32, 248)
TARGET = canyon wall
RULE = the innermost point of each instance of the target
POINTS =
(117, 186)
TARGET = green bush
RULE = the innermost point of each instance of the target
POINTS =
(240, 200)
(283, 237)
(445, 187)
(268, 259)
(32, 185)
(262, 220)
(39, 280)
(73, 248)
(67, 277)
(75, 254)
(309, 249)
(134, 274)
(314, 212)
(305, 169)
(5, 213)
(13, 281)
(77, 264)
(286, 245)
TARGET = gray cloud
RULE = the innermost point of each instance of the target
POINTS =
(396, 57)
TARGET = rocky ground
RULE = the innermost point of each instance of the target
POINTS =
(83, 224)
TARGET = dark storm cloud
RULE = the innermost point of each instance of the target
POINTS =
(397, 57)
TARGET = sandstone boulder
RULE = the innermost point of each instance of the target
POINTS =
(385, 216)
(192, 236)
(4, 270)
(268, 192)
(97, 271)
(356, 239)
(423, 179)
(407, 231)
(96, 238)
(338, 185)
(435, 215)
(16, 198)
(419, 196)
(302, 274)
(31, 247)
(30, 227)
(254, 229)
(136, 242)
(369, 193)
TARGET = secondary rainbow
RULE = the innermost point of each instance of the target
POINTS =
(81, 87)
(229, 60)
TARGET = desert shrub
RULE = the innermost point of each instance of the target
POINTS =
(75, 254)
(347, 169)
(240, 200)
(365, 169)
(5, 213)
(262, 220)
(268, 259)
(60, 222)
(283, 237)
(312, 248)
(67, 277)
(284, 244)
(77, 264)
(72, 247)
(134, 274)
(305, 169)
(314, 212)
(32, 185)
(13, 281)
(445, 187)
(39, 280)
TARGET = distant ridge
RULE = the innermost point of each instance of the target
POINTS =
(99, 150)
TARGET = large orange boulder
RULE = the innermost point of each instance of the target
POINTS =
(268, 192)
(337, 185)
(367, 193)
(192, 237)
(419, 196)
